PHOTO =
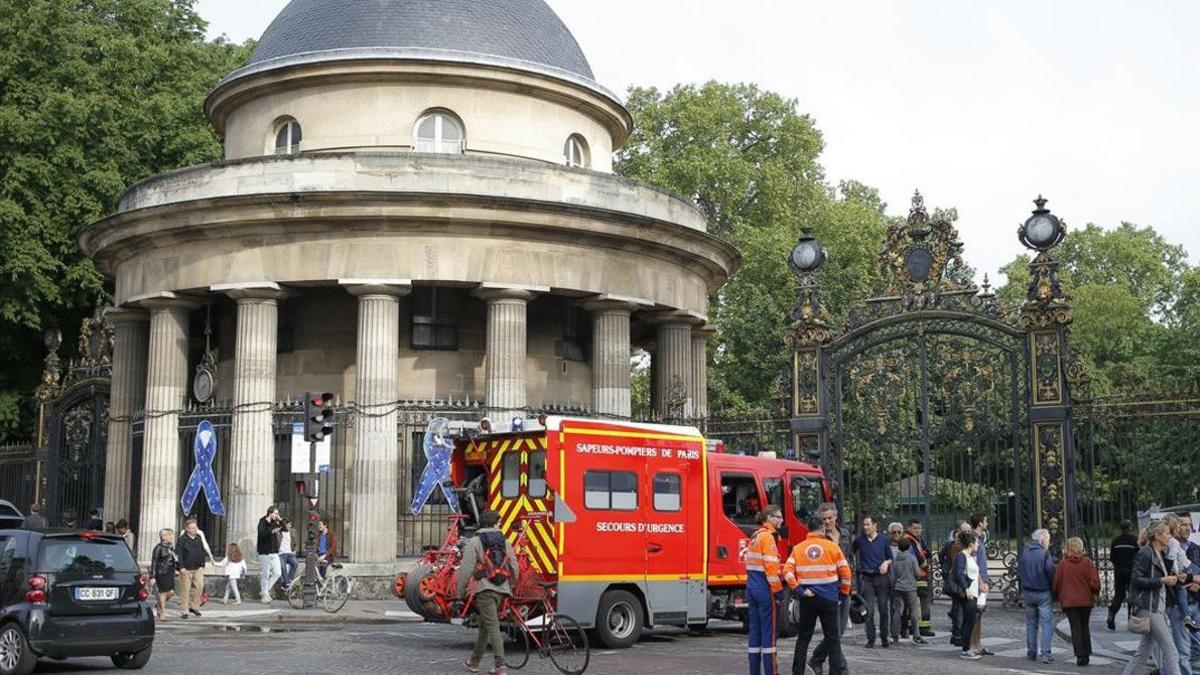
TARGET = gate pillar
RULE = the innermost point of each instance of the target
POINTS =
(1046, 317)
(807, 336)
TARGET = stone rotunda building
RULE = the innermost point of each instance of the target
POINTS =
(417, 211)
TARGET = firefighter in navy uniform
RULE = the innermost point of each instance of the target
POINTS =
(764, 591)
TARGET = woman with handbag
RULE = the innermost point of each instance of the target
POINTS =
(1152, 576)
(1076, 583)
(966, 580)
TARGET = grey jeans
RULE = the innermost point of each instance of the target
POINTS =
(1159, 636)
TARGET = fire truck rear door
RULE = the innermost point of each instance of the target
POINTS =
(673, 538)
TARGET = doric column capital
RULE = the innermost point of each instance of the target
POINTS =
(252, 291)
(115, 316)
(166, 300)
(614, 303)
(677, 316)
(361, 287)
(703, 331)
(501, 292)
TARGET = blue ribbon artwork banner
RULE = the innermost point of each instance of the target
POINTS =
(438, 449)
(203, 478)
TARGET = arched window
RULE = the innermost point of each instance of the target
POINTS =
(287, 136)
(576, 152)
(439, 132)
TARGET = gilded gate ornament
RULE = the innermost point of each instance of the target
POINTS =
(922, 258)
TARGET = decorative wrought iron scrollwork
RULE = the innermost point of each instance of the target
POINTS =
(922, 258)
(1045, 302)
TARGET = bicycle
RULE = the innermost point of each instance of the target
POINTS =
(530, 620)
(333, 589)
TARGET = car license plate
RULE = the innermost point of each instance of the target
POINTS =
(96, 593)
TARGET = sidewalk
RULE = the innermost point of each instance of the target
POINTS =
(252, 612)
(1118, 645)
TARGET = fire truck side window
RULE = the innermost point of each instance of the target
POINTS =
(774, 489)
(510, 484)
(610, 490)
(537, 475)
(739, 498)
(806, 497)
(668, 492)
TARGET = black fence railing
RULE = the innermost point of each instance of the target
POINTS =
(18, 475)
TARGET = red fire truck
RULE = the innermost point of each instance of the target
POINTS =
(648, 525)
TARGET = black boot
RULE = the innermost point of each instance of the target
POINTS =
(1112, 620)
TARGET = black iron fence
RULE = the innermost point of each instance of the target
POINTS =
(18, 474)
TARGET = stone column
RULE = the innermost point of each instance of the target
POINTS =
(610, 356)
(251, 486)
(127, 396)
(673, 362)
(373, 517)
(700, 335)
(504, 384)
(166, 394)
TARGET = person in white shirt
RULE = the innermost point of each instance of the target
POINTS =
(234, 565)
(287, 555)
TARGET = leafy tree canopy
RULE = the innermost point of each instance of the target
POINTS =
(1136, 305)
(94, 95)
(748, 159)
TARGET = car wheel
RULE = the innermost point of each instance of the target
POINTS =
(619, 619)
(16, 658)
(132, 660)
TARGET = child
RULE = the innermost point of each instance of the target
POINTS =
(904, 572)
(235, 568)
(1182, 568)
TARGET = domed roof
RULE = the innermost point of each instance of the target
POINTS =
(522, 34)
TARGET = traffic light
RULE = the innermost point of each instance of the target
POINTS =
(318, 416)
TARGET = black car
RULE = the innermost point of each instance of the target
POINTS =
(10, 515)
(67, 593)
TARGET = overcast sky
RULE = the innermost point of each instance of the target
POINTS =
(981, 106)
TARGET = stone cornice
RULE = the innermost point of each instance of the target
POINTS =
(401, 194)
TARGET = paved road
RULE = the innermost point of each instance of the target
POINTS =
(436, 649)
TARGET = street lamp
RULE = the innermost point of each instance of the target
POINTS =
(807, 256)
(1043, 230)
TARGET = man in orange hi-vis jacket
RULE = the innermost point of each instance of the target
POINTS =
(819, 573)
(763, 591)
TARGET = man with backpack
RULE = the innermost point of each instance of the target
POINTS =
(488, 574)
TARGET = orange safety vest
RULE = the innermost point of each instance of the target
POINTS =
(816, 561)
(763, 556)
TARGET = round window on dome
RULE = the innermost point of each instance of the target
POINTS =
(439, 132)
(287, 136)
(576, 152)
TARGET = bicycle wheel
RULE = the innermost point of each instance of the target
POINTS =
(335, 595)
(516, 644)
(295, 594)
(567, 644)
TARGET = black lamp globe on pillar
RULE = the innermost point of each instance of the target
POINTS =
(807, 256)
(1043, 230)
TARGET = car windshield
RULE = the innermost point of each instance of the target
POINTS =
(77, 559)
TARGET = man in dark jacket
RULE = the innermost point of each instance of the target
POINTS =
(1121, 552)
(192, 552)
(487, 594)
(1035, 569)
(269, 570)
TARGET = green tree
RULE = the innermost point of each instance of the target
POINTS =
(93, 96)
(748, 159)
(1136, 304)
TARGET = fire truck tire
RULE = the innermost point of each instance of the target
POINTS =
(619, 619)
(412, 588)
(789, 617)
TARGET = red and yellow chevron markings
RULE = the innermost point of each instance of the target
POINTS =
(543, 552)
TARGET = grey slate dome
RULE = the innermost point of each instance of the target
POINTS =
(523, 34)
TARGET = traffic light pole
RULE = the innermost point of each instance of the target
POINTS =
(310, 557)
